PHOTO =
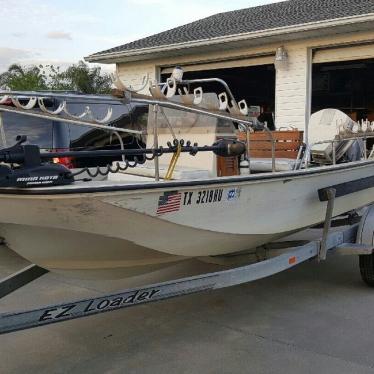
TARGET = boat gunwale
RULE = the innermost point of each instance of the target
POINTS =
(59, 190)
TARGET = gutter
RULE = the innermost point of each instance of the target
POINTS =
(235, 37)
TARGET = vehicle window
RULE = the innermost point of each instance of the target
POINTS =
(84, 137)
(38, 131)
(98, 110)
(139, 118)
(130, 117)
(59, 135)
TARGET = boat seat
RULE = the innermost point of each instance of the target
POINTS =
(265, 165)
(287, 143)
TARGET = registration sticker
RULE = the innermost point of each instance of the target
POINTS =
(233, 194)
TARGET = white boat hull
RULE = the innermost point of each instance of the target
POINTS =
(127, 232)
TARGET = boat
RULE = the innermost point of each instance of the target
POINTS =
(136, 217)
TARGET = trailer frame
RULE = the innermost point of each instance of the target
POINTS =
(342, 240)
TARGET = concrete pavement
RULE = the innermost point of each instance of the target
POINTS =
(316, 318)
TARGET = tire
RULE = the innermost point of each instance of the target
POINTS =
(367, 269)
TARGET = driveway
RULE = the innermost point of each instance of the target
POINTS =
(315, 318)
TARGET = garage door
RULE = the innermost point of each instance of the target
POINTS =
(357, 52)
(343, 79)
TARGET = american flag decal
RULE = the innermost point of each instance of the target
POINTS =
(169, 202)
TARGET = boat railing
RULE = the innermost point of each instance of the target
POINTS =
(62, 114)
(157, 104)
(36, 100)
(228, 108)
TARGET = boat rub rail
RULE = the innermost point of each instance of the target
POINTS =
(182, 184)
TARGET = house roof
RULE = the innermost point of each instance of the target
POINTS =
(254, 19)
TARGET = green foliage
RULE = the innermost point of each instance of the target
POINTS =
(21, 78)
(81, 77)
(78, 77)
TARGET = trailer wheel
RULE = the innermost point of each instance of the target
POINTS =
(367, 269)
(365, 235)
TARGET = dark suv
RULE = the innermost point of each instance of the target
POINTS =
(60, 136)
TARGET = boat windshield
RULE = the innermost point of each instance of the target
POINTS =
(183, 123)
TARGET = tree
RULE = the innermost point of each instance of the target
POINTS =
(81, 77)
(78, 77)
(19, 78)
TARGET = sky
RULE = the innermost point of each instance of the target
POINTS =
(65, 31)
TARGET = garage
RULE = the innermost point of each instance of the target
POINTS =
(249, 79)
(343, 78)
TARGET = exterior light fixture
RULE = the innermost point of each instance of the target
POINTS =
(177, 74)
(281, 59)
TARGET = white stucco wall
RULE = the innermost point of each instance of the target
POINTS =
(292, 85)
(132, 74)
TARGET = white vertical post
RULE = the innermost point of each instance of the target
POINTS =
(248, 149)
(155, 142)
(308, 102)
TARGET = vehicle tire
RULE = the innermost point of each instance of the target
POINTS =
(367, 269)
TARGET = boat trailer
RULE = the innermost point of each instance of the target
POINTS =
(352, 235)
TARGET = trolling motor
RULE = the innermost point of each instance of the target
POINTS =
(30, 170)
(24, 166)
